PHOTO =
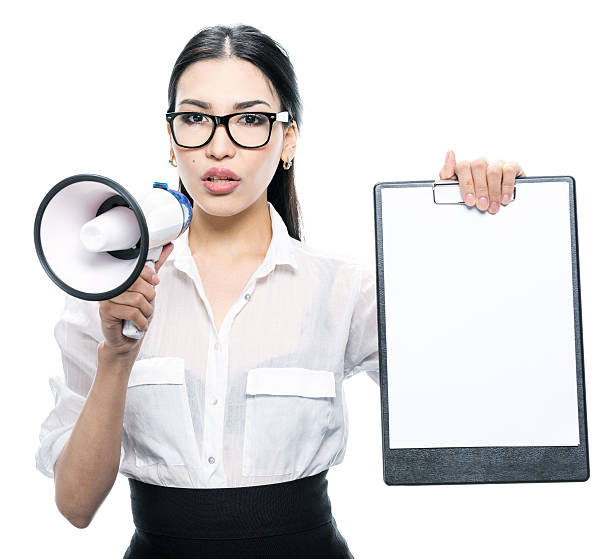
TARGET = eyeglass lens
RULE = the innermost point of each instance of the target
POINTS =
(249, 130)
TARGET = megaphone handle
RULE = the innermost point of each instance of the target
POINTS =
(129, 328)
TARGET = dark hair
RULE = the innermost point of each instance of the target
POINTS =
(248, 43)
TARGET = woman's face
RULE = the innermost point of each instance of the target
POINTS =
(222, 83)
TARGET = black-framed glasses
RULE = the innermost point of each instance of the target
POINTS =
(191, 129)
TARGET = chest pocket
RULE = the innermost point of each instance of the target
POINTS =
(157, 419)
(287, 415)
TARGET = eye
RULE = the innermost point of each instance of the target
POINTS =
(253, 119)
(193, 118)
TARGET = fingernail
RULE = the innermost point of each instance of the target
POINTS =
(506, 198)
(470, 197)
(483, 202)
(155, 278)
(494, 207)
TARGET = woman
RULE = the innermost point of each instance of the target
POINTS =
(228, 413)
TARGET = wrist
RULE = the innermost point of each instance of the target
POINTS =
(111, 359)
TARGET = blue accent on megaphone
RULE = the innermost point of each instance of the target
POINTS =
(183, 201)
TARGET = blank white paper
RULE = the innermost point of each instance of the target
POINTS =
(479, 320)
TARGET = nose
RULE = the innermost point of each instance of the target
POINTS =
(221, 144)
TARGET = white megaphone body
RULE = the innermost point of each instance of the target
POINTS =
(93, 237)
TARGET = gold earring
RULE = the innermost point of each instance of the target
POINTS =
(287, 165)
(171, 161)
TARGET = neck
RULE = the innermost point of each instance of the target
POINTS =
(227, 238)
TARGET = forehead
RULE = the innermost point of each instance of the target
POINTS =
(222, 82)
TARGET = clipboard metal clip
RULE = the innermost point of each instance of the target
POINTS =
(452, 196)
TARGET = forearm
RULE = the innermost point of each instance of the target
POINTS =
(87, 467)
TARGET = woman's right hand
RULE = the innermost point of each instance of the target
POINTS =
(135, 304)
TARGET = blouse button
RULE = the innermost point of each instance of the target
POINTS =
(211, 459)
(216, 345)
(247, 296)
(214, 401)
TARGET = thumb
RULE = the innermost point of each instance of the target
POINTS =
(448, 169)
(168, 248)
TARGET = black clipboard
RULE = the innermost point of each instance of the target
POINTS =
(468, 395)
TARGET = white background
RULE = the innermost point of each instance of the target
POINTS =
(388, 88)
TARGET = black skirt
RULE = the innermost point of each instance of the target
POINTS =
(285, 520)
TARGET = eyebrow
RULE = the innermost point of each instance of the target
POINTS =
(240, 105)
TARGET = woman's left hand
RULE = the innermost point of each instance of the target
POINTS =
(486, 184)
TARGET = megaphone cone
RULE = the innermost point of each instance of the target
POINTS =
(93, 237)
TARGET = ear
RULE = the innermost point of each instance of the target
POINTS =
(290, 142)
(170, 136)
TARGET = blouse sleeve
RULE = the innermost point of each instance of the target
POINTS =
(362, 345)
(78, 333)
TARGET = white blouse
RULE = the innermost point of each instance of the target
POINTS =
(260, 401)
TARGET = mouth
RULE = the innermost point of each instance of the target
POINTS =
(220, 174)
(217, 185)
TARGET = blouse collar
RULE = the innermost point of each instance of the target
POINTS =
(280, 251)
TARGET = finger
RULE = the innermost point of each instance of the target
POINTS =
(466, 182)
(510, 170)
(479, 174)
(494, 179)
(141, 285)
(122, 312)
(519, 169)
(136, 300)
(168, 248)
(148, 274)
(448, 169)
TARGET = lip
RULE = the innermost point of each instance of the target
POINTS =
(221, 172)
(220, 187)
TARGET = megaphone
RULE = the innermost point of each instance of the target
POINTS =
(93, 237)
